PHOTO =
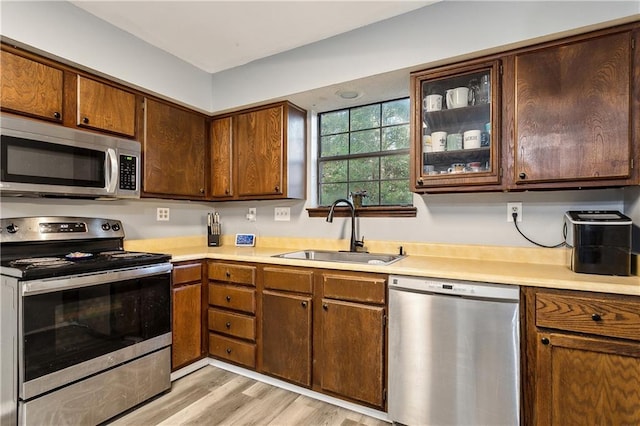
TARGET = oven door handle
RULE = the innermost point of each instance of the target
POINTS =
(49, 285)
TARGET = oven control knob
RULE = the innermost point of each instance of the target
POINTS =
(12, 229)
(115, 227)
(106, 226)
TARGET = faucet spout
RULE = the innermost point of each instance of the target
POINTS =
(354, 244)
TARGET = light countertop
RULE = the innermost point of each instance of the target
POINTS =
(503, 265)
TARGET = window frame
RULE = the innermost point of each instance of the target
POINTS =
(377, 210)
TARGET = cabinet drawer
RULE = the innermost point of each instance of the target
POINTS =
(288, 280)
(232, 297)
(232, 350)
(603, 316)
(358, 289)
(187, 273)
(232, 324)
(231, 273)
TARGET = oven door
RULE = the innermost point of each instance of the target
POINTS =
(73, 327)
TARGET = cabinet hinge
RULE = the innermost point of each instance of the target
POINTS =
(384, 320)
(632, 164)
(633, 44)
(384, 395)
(500, 171)
(500, 69)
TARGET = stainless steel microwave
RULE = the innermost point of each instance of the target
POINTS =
(43, 159)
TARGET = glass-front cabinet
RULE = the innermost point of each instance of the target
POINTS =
(456, 129)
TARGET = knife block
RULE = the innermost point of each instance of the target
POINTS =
(213, 240)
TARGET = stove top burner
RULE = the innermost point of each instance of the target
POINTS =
(41, 262)
(32, 260)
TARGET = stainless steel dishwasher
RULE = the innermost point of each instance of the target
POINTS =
(454, 352)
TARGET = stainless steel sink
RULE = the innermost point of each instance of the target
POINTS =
(342, 256)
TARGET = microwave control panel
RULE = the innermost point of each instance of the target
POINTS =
(128, 172)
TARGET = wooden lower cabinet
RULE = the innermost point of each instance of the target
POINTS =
(232, 312)
(352, 351)
(580, 372)
(286, 336)
(352, 330)
(187, 330)
(287, 324)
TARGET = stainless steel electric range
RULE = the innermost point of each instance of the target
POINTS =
(85, 325)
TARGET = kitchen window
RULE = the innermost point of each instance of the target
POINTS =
(365, 149)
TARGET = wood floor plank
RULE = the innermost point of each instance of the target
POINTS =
(213, 396)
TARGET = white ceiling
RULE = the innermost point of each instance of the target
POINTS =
(216, 35)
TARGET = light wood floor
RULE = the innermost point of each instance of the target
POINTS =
(212, 396)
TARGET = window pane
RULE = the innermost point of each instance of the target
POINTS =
(373, 192)
(394, 167)
(396, 137)
(334, 122)
(395, 112)
(332, 191)
(364, 169)
(366, 117)
(334, 145)
(365, 141)
(395, 192)
(333, 171)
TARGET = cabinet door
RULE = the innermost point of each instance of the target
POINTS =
(572, 112)
(187, 324)
(221, 158)
(258, 137)
(174, 151)
(286, 336)
(456, 128)
(104, 107)
(352, 351)
(30, 88)
(587, 381)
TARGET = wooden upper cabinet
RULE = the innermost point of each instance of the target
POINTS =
(259, 141)
(259, 153)
(221, 158)
(31, 88)
(572, 114)
(105, 107)
(173, 151)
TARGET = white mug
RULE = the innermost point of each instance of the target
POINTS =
(438, 141)
(472, 139)
(458, 97)
(432, 103)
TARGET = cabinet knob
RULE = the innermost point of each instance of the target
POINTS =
(522, 175)
(228, 325)
(228, 350)
(57, 115)
(545, 340)
(303, 304)
(202, 190)
(227, 274)
(420, 182)
(228, 298)
(226, 191)
(85, 120)
(325, 306)
(596, 317)
(277, 188)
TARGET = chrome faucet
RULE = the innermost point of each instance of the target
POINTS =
(354, 243)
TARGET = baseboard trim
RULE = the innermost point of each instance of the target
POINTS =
(190, 368)
(381, 415)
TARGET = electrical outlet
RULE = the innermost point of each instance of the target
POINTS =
(251, 215)
(514, 208)
(162, 214)
(282, 214)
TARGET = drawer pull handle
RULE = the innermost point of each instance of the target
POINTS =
(228, 325)
(85, 120)
(325, 306)
(228, 298)
(228, 274)
(304, 304)
(596, 317)
(228, 350)
(545, 340)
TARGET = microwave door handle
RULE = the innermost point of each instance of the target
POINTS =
(112, 166)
